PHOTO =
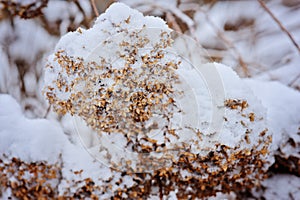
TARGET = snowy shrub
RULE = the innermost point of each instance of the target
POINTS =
(26, 9)
(155, 107)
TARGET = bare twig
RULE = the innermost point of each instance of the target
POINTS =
(262, 3)
(47, 111)
(172, 22)
(95, 8)
(294, 80)
(179, 14)
(85, 20)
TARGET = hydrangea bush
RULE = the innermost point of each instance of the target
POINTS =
(157, 110)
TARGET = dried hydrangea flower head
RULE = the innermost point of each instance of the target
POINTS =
(156, 108)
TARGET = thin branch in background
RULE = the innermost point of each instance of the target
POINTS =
(262, 3)
(95, 8)
(294, 80)
(85, 22)
(177, 13)
(172, 22)
(47, 111)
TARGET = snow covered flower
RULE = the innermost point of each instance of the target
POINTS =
(157, 108)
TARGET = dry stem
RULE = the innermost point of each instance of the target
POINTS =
(262, 3)
(95, 8)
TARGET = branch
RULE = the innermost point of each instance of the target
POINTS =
(172, 22)
(294, 80)
(262, 3)
(95, 8)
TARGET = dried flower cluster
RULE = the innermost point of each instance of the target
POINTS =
(128, 85)
(199, 177)
(191, 176)
(131, 96)
(112, 93)
(28, 180)
(40, 180)
(25, 11)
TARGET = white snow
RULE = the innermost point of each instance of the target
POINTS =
(22, 49)
(283, 112)
(30, 140)
(25, 2)
(282, 186)
(33, 140)
(90, 45)
(275, 104)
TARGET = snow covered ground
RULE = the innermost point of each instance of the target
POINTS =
(239, 34)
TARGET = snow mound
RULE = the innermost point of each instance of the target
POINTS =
(283, 116)
(27, 139)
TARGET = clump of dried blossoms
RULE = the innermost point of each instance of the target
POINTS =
(125, 80)
(114, 97)
(25, 10)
